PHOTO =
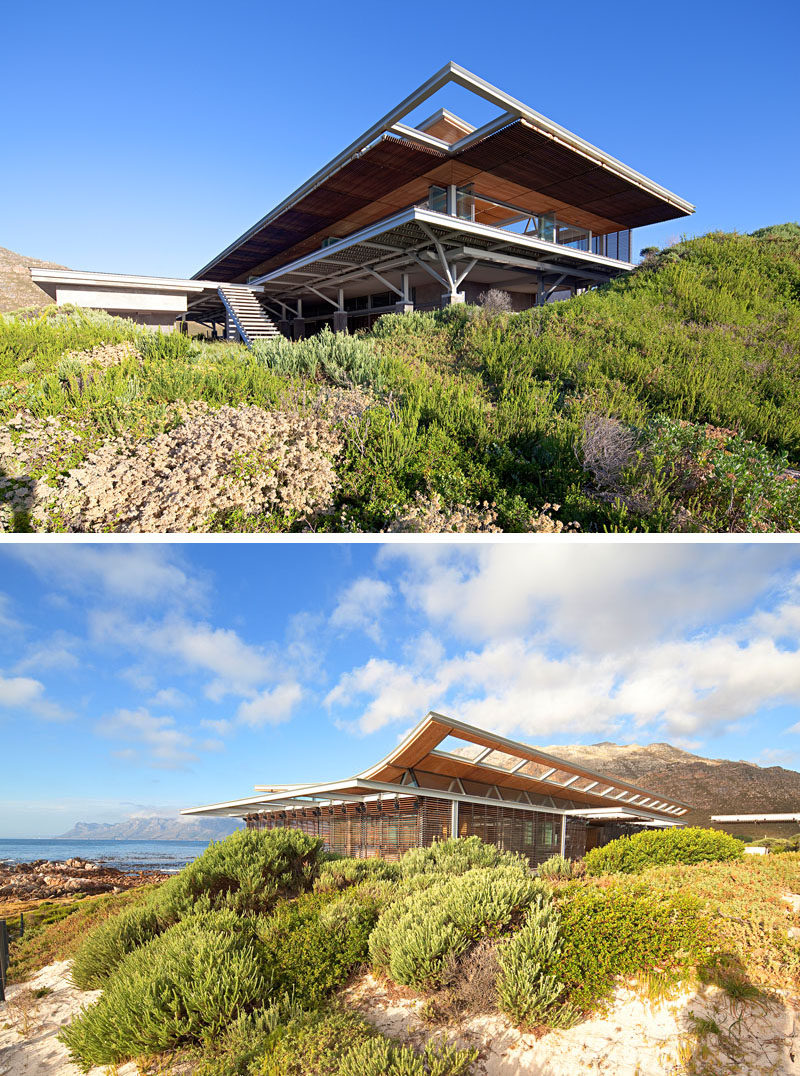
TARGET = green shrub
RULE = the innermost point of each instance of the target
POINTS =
(555, 867)
(527, 990)
(185, 985)
(341, 873)
(312, 1044)
(631, 855)
(313, 943)
(380, 1057)
(342, 358)
(158, 346)
(246, 1039)
(104, 947)
(456, 855)
(247, 872)
(624, 929)
(423, 929)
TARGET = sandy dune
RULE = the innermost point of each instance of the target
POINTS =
(634, 1038)
(28, 1026)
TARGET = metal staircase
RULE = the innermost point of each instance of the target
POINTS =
(247, 318)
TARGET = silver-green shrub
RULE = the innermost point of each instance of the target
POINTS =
(382, 1057)
(110, 942)
(555, 867)
(344, 359)
(457, 855)
(341, 873)
(527, 990)
(417, 934)
(188, 984)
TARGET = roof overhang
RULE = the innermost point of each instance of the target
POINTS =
(513, 774)
(510, 145)
(79, 278)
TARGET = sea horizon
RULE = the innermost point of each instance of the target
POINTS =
(126, 854)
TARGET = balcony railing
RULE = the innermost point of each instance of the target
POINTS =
(464, 204)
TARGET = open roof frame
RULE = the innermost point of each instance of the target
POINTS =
(511, 110)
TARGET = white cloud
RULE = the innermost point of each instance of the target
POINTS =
(599, 597)
(56, 653)
(221, 726)
(677, 688)
(26, 694)
(168, 696)
(137, 572)
(361, 606)
(235, 666)
(271, 706)
(163, 743)
(7, 621)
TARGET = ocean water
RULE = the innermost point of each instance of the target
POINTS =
(128, 856)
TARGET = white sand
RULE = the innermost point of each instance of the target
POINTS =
(28, 1026)
(635, 1037)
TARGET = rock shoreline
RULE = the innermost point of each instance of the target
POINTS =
(43, 879)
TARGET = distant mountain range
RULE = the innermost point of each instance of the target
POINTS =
(709, 785)
(155, 829)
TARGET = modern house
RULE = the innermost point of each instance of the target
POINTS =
(447, 779)
(415, 217)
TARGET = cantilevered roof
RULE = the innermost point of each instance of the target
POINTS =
(389, 166)
(445, 758)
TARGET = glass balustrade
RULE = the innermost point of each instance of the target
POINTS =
(464, 203)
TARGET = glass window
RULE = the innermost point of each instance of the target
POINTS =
(547, 227)
(437, 199)
(465, 203)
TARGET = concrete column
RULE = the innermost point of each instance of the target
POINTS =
(340, 321)
(284, 327)
(403, 307)
(298, 328)
(453, 298)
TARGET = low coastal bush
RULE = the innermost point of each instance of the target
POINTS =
(110, 942)
(380, 1057)
(527, 989)
(345, 360)
(456, 855)
(422, 931)
(555, 867)
(186, 985)
(631, 855)
(312, 944)
(624, 929)
(341, 873)
(248, 872)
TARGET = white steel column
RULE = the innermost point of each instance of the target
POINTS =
(454, 819)
(563, 834)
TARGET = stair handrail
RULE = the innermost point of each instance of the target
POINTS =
(245, 338)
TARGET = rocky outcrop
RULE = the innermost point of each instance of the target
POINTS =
(43, 879)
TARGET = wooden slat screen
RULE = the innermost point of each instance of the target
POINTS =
(358, 830)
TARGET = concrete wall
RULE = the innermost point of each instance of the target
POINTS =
(156, 310)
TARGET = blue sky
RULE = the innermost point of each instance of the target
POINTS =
(145, 138)
(141, 677)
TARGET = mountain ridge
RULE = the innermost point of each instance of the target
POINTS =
(709, 785)
(155, 828)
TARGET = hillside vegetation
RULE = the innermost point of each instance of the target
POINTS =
(667, 400)
(238, 965)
